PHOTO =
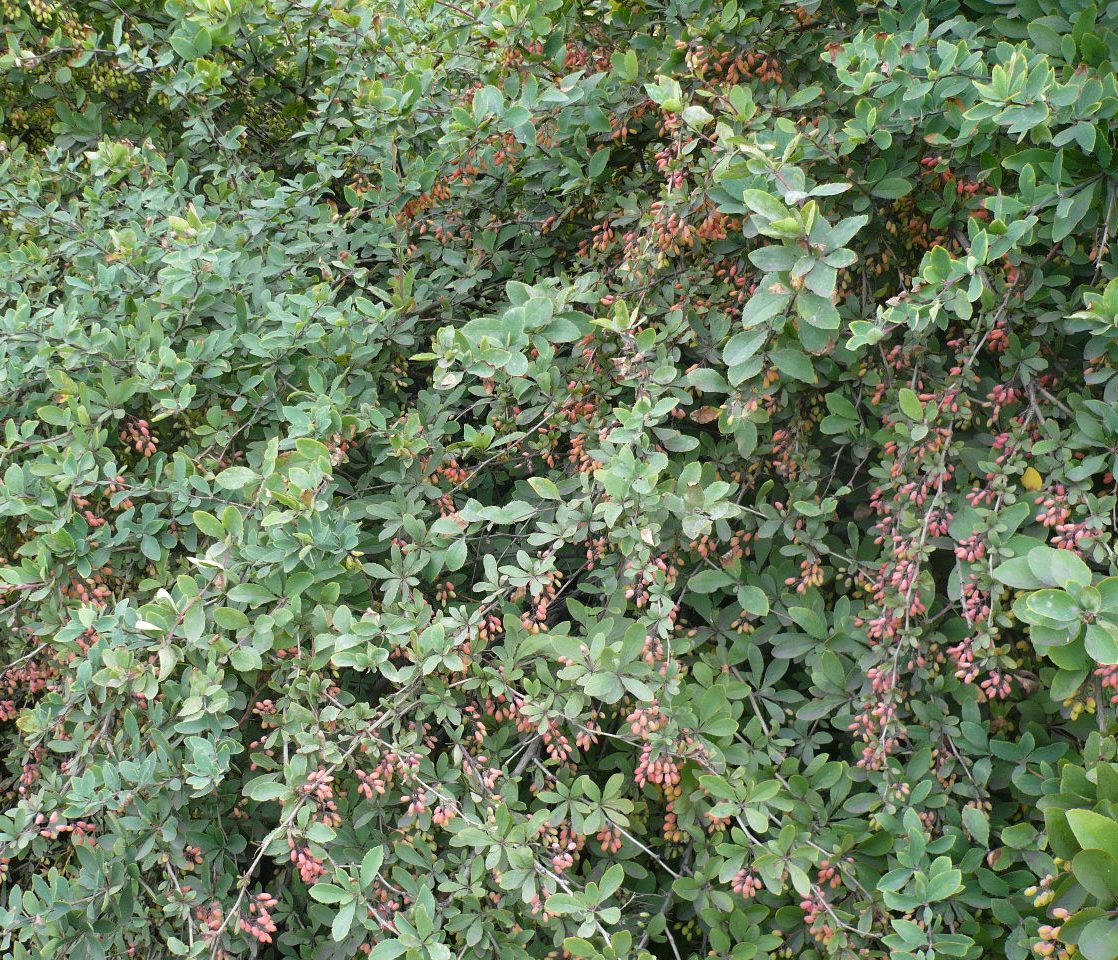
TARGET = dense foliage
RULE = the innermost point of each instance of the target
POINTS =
(553, 479)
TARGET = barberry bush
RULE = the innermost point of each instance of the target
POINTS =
(542, 479)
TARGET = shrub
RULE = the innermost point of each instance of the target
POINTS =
(551, 479)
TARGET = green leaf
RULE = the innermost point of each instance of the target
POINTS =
(801, 882)
(604, 686)
(388, 950)
(327, 893)
(1097, 872)
(563, 903)
(977, 824)
(639, 689)
(1070, 211)
(371, 864)
(343, 920)
(910, 404)
(1099, 940)
(611, 881)
(1055, 605)
(456, 554)
(665, 92)
(544, 488)
(251, 593)
(696, 116)
(774, 258)
(182, 46)
(707, 581)
(744, 345)
(263, 789)
(753, 600)
(1066, 683)
(763, 306)
(765, 204)
(598, 163)
(209, 524)
(812, 622)
(229, 619)
(1058, 567)
(944, 885)
(891, 188)
(515, 116)
(487, 102)
(577, 947)
(627, 65)
(244, 659)
(235, 478)
(795, 363)
(1108, 594)
(1101, 642)
(194, 621)
(815, 310)
(1093, 831)
(1017, 573)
